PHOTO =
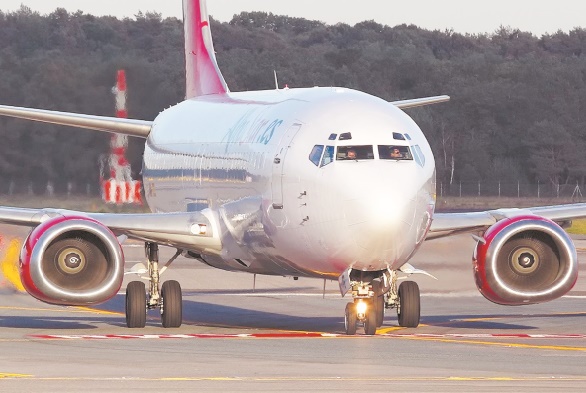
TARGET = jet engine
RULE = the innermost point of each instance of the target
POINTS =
(72, 261)
(525, 260)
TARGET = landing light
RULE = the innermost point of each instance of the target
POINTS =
(199, 229)
(361, 307)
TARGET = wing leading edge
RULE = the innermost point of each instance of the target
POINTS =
(172, 229)
(138, 128)
(447, 224)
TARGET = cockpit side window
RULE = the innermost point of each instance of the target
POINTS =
(419, 157)
(355, 153)
(393, 152)
(315, 155)
(328, 156)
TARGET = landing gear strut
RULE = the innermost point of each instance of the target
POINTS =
(168, 299)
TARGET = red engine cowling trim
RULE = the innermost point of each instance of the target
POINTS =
(39, 286)
(490, 281)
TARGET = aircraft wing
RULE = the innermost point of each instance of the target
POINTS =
(191, 230)
(414, 103)
(138, 128)
(447, 224)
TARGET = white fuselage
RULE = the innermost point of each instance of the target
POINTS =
(248, 158)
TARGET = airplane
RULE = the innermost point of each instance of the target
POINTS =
(322, 182)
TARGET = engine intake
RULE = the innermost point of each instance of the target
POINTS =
(72, 261)
(525, 260)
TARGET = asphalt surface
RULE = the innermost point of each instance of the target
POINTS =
(287, 336)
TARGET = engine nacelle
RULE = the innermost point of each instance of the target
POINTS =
(72, 261)
(525, 260)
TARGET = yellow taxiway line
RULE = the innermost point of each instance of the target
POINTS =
(14, 376)
(454, 379)
(495, 343)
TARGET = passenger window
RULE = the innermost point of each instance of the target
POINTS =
(393, 152)
(355, 153)
(398, 136)
(315, 155)
(328, 156)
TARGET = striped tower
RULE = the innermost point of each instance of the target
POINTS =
(120, 188)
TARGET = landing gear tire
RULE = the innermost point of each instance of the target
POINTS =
(370, 322)
(350, 319)
(378, 303)
(136, 304)
(171, 304)
(409, 304)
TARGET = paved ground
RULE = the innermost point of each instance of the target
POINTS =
(287, 337)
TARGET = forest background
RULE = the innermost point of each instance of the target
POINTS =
(516, 116)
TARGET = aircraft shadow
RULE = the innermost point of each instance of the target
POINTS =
(224, 316)
(250, 291)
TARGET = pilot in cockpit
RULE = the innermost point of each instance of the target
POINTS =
(396, 153)
(351, 154)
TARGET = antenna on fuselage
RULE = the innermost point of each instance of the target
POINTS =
(276, 80)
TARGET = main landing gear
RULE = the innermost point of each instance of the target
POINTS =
(372, 298)
(168, 299)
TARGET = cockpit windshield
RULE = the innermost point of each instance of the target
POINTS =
(355, 153)
(392, 152)
(322, 155)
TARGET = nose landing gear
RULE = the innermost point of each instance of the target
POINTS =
(350, 319)
(364, 310)
(371, 300)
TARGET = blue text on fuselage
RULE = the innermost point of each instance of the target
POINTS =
(252, 127)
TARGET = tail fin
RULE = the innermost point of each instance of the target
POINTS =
(203, 76)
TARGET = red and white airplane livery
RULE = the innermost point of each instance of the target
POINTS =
(327, 182)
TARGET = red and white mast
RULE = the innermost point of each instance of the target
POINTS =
(120, 187)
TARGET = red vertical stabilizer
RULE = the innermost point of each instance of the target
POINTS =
(203, 77)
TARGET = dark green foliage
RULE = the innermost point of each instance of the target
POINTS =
(517, 100)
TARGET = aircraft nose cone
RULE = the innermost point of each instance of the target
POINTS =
(377, 202)
(380, 219)
(381, 196)
(381, 211)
